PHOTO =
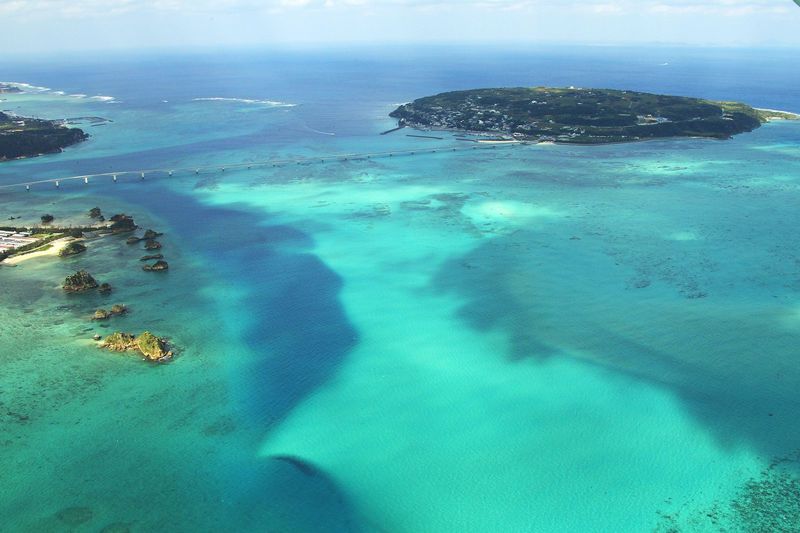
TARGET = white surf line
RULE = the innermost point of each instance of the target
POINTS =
(309, 128)
(274, 162)
(777, 111)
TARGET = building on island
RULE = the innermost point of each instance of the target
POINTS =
(10, 240)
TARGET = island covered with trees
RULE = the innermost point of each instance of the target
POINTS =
(587, 116)
(28, 137)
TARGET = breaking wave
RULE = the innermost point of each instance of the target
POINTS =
(271, 103)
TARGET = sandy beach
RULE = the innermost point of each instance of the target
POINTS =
(54, 248)
(790, 115)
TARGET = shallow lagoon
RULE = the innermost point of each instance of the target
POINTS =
(530, 338)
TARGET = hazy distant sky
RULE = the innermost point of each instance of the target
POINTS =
(36, 25)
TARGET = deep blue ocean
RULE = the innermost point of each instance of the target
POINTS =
(527, 338)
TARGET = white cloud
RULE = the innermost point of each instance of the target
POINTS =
(76, 8)
(165, 23)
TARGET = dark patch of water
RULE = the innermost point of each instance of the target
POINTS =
(297, 327)
(733, 372)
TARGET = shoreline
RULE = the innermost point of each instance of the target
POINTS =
(54, 247)
(782, 111)
(497, 141)
(536, 142)
(773, 115)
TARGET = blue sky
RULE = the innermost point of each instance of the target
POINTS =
(40, 25)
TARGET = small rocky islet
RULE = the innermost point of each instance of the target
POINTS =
(103, 314)
(156, 267)
(72, 248)
(104, 288)
(152, 348)
(96, 214)
(80, 281)
(151, 244)
(122, 223)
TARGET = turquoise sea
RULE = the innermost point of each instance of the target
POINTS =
(521, 339)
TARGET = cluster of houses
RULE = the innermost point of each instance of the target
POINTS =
(477, 113)
(18, 125)
(10, 240)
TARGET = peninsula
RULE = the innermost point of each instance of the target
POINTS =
(28, 137)
(585, 116)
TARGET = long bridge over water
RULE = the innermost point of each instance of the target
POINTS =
(168, 172)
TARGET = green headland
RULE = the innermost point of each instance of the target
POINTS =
(590, 116)
(27, 137)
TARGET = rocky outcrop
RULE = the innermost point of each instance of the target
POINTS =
(73, 248)
(152, 348)
(80, 281)
(101, 314)
(95, 212)
(116, 309)
(46, 219)
(157, 266)
(104, 288)
(120, 342)
(149, 237)
(122, 223)
(151, 257)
